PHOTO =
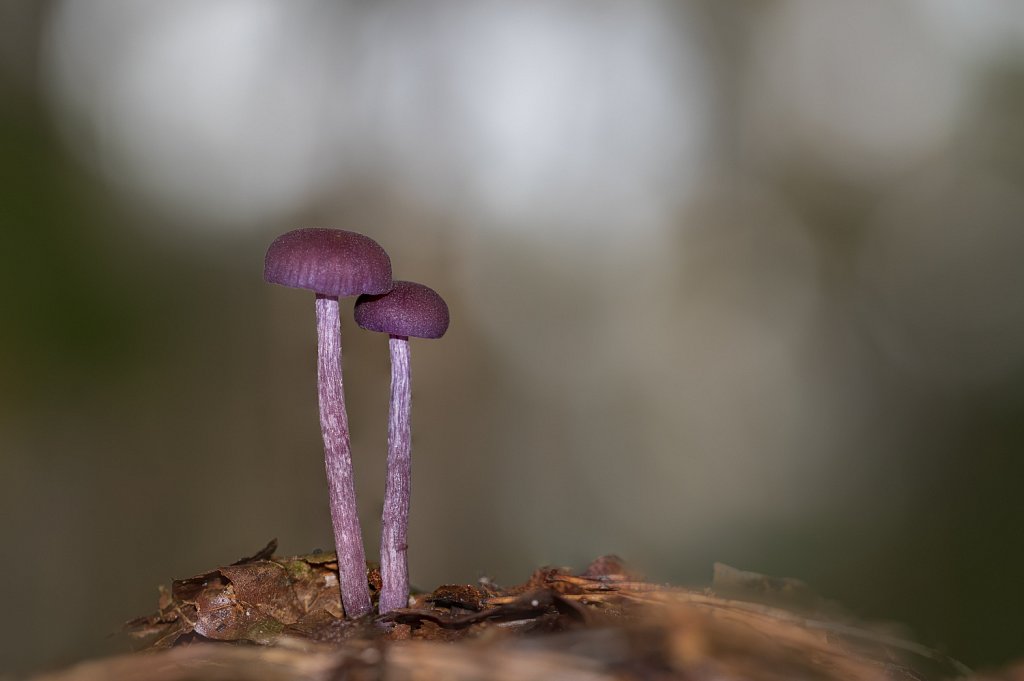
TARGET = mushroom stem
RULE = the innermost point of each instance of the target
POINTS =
(355, 593)
(393, 566)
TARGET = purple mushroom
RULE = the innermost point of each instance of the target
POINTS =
(410, 309)
(334, 263)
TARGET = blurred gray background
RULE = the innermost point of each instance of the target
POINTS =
(730, 281)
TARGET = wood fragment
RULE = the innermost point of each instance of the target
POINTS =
(602, 624)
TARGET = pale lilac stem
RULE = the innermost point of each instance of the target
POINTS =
(394, 570)
(355, 592)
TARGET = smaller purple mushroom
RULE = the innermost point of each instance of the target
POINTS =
(410, 309)
(333, 263)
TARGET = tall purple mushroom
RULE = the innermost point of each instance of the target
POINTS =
(334, 263)
(410, 309)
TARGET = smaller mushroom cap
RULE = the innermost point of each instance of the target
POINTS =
(409, 309)
(331, 262)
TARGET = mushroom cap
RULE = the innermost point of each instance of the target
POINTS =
(331, 262)
(409, 309)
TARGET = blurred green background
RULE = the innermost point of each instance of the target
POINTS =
(730, 281)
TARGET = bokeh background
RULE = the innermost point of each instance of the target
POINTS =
(731, 281)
